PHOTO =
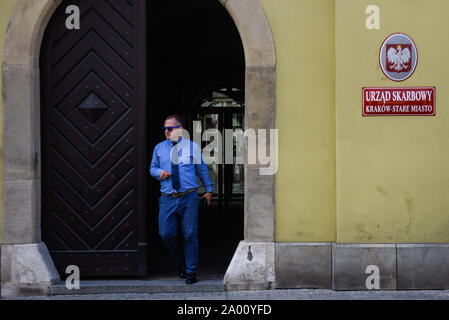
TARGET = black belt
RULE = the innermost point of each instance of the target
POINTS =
(178, 194)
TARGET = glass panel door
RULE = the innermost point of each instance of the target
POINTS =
(238, 166)
(223, 109)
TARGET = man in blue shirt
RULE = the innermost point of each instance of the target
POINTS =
(175, 163)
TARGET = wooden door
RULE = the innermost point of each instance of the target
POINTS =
(93, 85)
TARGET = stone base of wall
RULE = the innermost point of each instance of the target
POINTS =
(422, 266)
(27, 270)
(252, 267)
(354, 266)
(303, 265)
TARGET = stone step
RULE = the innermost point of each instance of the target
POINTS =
(139, 286)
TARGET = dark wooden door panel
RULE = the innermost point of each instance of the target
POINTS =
(93, 138)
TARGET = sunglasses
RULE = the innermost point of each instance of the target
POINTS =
(170, 129)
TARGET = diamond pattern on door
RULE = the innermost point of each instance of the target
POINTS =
(93, 108)
(94, 157)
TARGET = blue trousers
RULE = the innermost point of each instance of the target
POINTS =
(180, 212)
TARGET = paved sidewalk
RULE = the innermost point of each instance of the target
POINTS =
(297, 294)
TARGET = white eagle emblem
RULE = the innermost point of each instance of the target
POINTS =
(398, 58)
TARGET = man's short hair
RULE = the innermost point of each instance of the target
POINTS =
(177, 117)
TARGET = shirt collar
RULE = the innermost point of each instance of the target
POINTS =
(179, 141)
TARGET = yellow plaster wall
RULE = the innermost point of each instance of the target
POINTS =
(392, 172)
(341, 176)
(303, 32)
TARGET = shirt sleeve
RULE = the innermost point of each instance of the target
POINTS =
(155, 169)
(202, 170)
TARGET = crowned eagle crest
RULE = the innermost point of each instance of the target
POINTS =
(398, 58)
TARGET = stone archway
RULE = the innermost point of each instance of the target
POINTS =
(252, 266)
(26, 265)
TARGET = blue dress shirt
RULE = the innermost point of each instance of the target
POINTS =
(190, 162)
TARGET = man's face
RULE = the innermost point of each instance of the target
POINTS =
(175, 133)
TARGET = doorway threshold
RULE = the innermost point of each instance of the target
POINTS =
(139, 286)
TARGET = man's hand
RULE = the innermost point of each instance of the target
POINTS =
(208, 197)
(164, 174)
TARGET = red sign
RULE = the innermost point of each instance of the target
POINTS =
(416, 101)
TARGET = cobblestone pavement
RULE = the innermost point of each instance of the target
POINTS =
(297, 294)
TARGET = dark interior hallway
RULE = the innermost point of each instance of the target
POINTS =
(194, 52)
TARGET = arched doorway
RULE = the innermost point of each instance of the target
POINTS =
(194, 49)
(22, 244)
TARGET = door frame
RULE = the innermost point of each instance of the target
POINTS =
(23, 251)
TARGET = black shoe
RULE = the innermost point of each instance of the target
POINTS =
(191, 278)
(182, 272)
